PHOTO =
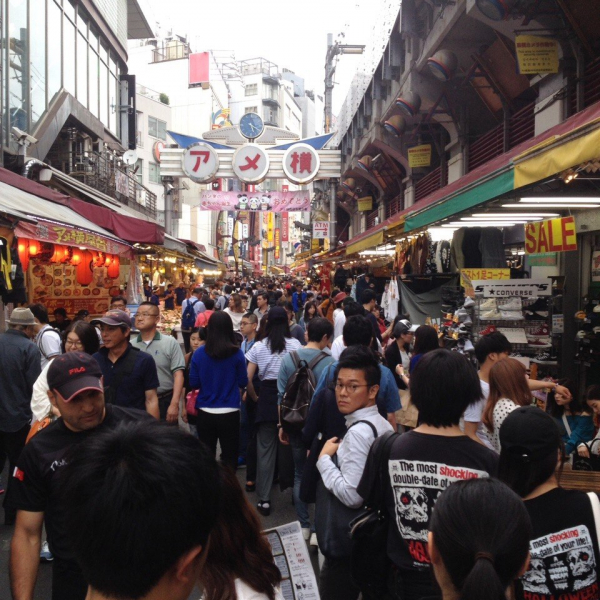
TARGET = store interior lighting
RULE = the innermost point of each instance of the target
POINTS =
(504, 216)
(495, 219)
(551, 205)
(481, 224)
(559, 200)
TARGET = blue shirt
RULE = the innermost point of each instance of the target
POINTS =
(387, 396)
(295, 299)
(219, 380)
(131, 392)
(582, 430)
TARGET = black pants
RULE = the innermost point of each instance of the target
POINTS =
(335, 580)
(164, 401)
(405, 585)
(67, 581)
(11, 445)
(251, 448)
(224, 428)
(186, 340)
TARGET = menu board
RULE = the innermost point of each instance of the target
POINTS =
(55, 285)
(291, 557)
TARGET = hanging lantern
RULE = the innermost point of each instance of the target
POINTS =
(348, 184)
(496, 10)
(84, 268)
(108, 260)
(365, 163)
(114, 268)
(23, 249)
(76, 257)
(410, 103)
(395, 125)
(67, 254)
(443, 65)
(58, 255)
(34, 247)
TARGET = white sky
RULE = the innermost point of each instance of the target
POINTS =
(290, 33)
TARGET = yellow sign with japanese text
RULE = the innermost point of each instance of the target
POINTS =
(536, 54)
(554, 235)
(469, 275)
(419, 156)
(365, 203)
(271, 226)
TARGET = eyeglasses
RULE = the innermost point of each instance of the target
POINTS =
(350, 387)
(146, 315)
(74, 343)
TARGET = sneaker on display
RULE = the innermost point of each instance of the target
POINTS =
(468, 322)
(543, 331)
(511, 315)
(580, 335)
(489, 304)
(491, 315)
(597, 308)
(536, 316)
(469, 302)
(516, 355)
(539, 304)
(539, 343)
(512, 304)
(545, 358)
(489, 329)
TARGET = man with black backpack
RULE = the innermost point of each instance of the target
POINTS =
(298, 376)
(190, 309)
(47, 339)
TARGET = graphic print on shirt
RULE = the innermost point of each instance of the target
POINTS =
(562, 566)
(417, 485)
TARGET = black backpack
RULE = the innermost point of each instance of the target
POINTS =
(188, 318)
(298, 393)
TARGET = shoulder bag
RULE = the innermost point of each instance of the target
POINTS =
(582, 463)
(333, 518)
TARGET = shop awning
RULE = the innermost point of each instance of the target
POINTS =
(56, 223)
(571, 142)
(373, 239)
(172, 243)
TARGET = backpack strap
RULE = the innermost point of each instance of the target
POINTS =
(373, 429)
(295, 359)
(316, 360)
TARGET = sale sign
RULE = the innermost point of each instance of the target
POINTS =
(554, 235)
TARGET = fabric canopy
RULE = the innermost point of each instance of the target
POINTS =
(364, 244)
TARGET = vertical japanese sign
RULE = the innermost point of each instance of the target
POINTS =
(285, 227)
(277, 244)
(264, 229)
(271, 226)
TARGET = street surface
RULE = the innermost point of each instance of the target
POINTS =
(282, 512)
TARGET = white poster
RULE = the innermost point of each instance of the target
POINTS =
(320, 230)
(291, 557)
(507, 288)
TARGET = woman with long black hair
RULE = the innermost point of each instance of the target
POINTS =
(218, 371)
(266, 356)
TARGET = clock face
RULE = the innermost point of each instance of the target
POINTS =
(251, 125)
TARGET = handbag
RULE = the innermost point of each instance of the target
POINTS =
(190, 403)
(408, 415)
(369, 562)
(581, 463)
(333, 518)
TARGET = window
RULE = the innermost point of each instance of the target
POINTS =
(37, 71)
(252, 89)
(270, 115)
(139, 171)
(139, 129)
(250, 109)
(69, 56)
(157, 128)
(54, 51)
(153, 173)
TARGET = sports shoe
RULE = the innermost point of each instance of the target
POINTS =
(543, 331)
(489, 304)
(539, 304)
(536, 316)
(306, 533)
(264, 508)
(491, 315)
(45, 554)
(512, 304)
(539, 343)
(516, 355)
(469, 302)
(580, 335)
(545, 358)
(511, 315)
(489, 329)
(468, 322)
(597, 308)
(313, 540)
(461, 314)
(581, 315)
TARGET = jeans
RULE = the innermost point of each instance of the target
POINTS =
(409, 585)
(299, 455)
(223, 428)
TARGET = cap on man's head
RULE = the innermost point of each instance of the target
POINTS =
(403, 326)
(74, 372)
(530, 433)
(339, 297)
(116, 318)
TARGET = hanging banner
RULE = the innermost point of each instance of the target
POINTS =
(220, 234)
(320, 230)
(419, 156)
(365, 203)
(524, 288)
(270, 226)
(255, 201)
(554, 235)
(536, 54)
(285, 227)
(277, 243)
(549, 259)
(264, 229)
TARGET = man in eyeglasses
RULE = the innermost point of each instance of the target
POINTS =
(357, 380)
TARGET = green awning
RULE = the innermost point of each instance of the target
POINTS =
(475, 195)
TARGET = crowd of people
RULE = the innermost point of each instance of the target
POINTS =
(123, 447)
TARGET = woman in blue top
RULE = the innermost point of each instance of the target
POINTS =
(219, 371)
(574, 419)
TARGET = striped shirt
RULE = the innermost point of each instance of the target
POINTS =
(268, 363)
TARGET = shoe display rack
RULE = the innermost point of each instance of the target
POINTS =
(456, 324)
(526, 322)
(587, 337)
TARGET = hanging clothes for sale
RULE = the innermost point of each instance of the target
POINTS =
(442, 257)
(17, 294)
(431, 267)
(456, 251)
(5, 266)
(491, 245)
(470, 248)
(389, 300)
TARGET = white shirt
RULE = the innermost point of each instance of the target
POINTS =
(338, 347)
(244, 592)
(503, 408)
(338, 324)
(474, 412)
(48, 342)
(235, 317)
(352, 455)
(40, 403)
(268, 363)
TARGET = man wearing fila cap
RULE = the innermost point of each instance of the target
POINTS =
(76, 390)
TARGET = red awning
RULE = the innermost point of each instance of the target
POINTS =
(196, 245)
(123, 226)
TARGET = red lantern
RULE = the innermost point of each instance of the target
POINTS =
(76, 257)
(108, 260)
(114, 269)
(84, 268)
(34, 247)
(23, 248)
(59, 254)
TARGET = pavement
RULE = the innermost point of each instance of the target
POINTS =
(282, 511)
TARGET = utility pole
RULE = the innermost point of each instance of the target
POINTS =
(333, 49)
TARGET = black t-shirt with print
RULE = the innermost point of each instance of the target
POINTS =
(564, 549)
(36, 481)
(421, 467)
